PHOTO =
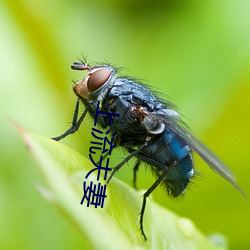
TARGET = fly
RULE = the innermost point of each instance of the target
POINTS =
(149, 128)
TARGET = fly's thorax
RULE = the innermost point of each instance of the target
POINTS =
(94, 85)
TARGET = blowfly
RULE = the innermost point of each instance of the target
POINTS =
(149, 128)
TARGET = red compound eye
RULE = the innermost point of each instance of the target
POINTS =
(97, 79)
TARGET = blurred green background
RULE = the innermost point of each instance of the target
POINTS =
(196, 53)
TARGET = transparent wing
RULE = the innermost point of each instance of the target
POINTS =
(208, 156)
(175, 124)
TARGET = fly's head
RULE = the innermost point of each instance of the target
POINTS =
(96, 79)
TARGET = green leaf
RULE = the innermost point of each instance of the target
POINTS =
(116, 225)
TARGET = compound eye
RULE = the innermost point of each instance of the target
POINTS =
(97, 79)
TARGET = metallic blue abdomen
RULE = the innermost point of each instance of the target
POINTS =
(172, 155)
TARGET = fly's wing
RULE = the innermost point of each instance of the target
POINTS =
(212, 160)
(175, 124)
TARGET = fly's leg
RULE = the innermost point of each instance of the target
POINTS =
(145, 196)
(92, 109)
(136, 167)
(125, 160)
(75, 123)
